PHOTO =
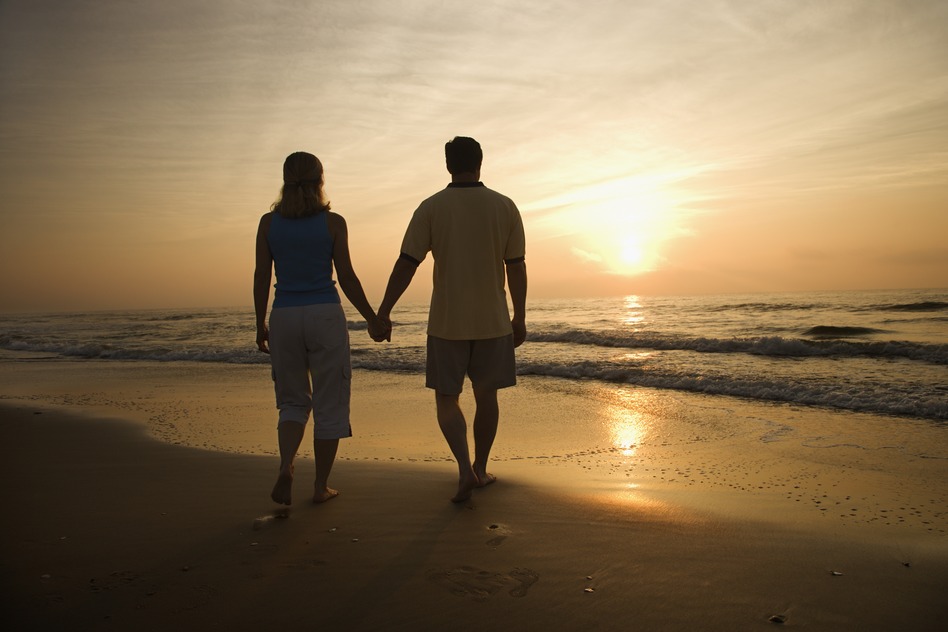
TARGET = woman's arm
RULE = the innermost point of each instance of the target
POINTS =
(346, 275)
(262, 276)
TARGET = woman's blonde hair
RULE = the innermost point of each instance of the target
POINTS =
(302, 192)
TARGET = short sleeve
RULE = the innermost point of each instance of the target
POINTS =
(417, 241)
(516, 241)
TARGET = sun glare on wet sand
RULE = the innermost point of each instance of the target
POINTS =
(627, 425)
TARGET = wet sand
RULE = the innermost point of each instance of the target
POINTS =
(137, 497)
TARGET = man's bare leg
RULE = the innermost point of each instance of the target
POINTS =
(454, 428)
(325, 456)
(485, 429)
(289, 436)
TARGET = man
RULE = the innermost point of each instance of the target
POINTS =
(476, 238)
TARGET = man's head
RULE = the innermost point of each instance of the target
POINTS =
(463, 155)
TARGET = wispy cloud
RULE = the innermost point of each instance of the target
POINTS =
(162, 109)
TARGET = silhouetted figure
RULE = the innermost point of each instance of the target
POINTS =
(308, 337)
(475, 236)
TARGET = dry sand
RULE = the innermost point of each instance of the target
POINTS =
(691, 513)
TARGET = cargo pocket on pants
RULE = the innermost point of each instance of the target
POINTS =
(345, 388)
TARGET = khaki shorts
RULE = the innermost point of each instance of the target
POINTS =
(309, 353)
(490, 363)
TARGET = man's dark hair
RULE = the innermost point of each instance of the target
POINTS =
(463, 155)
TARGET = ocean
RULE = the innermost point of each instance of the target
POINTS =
(882, 352)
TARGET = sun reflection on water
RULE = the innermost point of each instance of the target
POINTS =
(639, 355)
(633, 308)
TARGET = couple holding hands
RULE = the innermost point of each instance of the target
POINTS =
(476, 238)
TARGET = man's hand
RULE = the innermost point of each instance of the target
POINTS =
(263, 337)
(380, 329)
(519, 331)
(387, 322)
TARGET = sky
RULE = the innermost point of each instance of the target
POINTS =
(652, 147)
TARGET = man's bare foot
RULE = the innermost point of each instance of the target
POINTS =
(466, 485)
(485, 479)
(282, 491)
(322, 495)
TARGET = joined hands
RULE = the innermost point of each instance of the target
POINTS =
(380, 329)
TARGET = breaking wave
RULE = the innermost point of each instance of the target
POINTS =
(776, 346)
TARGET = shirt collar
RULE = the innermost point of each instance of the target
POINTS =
(464, 185)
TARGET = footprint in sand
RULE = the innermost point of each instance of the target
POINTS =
(526, 578)
(117, 579)
(305, 565)
(500, 533)
(265, 521)
(477, 584)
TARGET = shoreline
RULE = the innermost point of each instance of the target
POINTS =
(624, 445)
(138, 496)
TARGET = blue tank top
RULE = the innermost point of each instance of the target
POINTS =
(302, 255)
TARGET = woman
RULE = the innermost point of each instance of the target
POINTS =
(308, 338)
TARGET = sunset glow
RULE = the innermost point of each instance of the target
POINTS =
(653, 148)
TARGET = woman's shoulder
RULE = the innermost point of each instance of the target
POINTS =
(266, 218)
(337, 226)
(335, 219)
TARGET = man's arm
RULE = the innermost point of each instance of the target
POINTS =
(517, 284)
(398, 282)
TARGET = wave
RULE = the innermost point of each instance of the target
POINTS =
(921, 319)
(831, 331)
(919, 306)
(101, 351)
(765, 346)
(763, 307)
(172, 317)
(884, 401)
(887, 400)
(826, 343)
(922, 306)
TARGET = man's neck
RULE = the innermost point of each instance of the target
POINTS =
(466, 177)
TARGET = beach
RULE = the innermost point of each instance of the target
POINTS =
(137, 496)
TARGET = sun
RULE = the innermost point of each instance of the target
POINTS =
(631, 252)
(627, 222)
(639, 218)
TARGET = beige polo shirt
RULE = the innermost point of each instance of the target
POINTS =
(470, 231)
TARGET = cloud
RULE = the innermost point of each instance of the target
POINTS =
(121, 112)
(586, 257)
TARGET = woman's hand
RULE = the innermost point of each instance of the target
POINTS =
(379, 329)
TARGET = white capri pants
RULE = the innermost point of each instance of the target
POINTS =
(309, 354)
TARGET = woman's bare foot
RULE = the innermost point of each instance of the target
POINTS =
(466, 485)
(282, 491)
(322, 495)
